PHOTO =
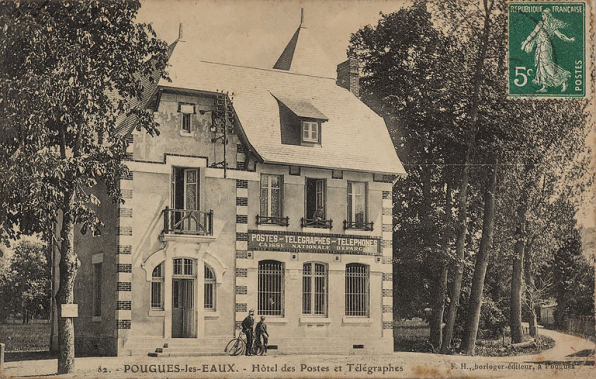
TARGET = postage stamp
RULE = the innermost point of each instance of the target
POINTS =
(547, 49)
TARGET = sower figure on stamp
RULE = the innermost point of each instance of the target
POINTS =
(262, 335)
(548, 73)
(247, 329)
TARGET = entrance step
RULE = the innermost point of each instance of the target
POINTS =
(188, 347)
(174, 346)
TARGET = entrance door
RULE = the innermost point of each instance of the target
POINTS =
(183, 308)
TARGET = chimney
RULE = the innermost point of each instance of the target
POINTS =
(348, 77)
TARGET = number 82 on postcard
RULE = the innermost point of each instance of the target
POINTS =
(547, 49)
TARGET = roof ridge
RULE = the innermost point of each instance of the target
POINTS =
(269, 69)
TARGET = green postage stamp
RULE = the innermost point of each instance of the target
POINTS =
(547, 49)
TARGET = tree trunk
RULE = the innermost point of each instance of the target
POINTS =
(53, 310)
(463, 193)
(65, 295)
(438, 310)
(436, 326)
(515, 318)
(429, 227)
(471, 330)
(529, 279)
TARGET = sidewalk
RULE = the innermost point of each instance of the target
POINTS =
(553, 362)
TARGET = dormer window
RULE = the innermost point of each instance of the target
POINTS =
(300, 121)
(311, 132)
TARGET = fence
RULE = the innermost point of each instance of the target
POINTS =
(579, 325)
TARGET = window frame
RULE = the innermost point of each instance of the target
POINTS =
(209, 282)
(97, 284)
(269, 188)
(157, 280)
(186, 124)
(351, 223)
(261, 293)
(307, 125)
(186, 118)
(351, 297)
(310, 278)
(184, 264)
(323, 196)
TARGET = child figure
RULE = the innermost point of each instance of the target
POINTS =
(262, 335)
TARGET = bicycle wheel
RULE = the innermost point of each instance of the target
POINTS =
(235, 347)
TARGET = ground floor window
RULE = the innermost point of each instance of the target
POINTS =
(271, 288)
(209, 302)
(314, 289)
(157, 287)
(357, 289)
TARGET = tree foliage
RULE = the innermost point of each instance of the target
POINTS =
(573, 276)
(70, 72)
(418, 67)
(25, 282)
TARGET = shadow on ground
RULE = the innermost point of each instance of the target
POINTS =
(583, 353)
(28, 356)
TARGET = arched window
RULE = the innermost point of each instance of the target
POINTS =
(357, 290)
(209, 302)
(157, 287)
(271, 288)
(314, 289)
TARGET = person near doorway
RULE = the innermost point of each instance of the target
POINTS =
(262, 335)
(247, 329)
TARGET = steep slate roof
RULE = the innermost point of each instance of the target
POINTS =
(354, 138)
(302, 108)
(126, 124)
(303, 55)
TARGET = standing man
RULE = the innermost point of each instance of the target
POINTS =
(247, 329)
(262, 335)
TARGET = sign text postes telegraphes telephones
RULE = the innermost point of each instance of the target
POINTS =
(313, 243)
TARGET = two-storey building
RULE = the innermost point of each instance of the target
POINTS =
(275, 197)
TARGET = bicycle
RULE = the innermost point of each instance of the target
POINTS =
(237, 346)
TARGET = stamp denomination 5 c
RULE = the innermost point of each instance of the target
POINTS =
(547, 49)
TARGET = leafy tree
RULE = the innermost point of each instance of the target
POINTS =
(69, 71)
(30, 279)
(573, 278)
(407, 80)
(6, 296)
(451, 122)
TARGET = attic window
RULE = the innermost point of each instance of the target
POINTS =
(311, 132)
(300, 121)
(186, 109)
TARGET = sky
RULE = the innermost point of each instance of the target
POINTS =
(255, 32)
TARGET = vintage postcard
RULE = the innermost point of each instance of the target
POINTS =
(297, 189)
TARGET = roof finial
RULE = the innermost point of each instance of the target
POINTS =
(180, 34)
(301, 16)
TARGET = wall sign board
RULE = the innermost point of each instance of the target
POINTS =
(69, 310)
(313, 243)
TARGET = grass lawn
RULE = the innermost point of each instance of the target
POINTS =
(495, 348)
(31, 337)
(413, 336)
